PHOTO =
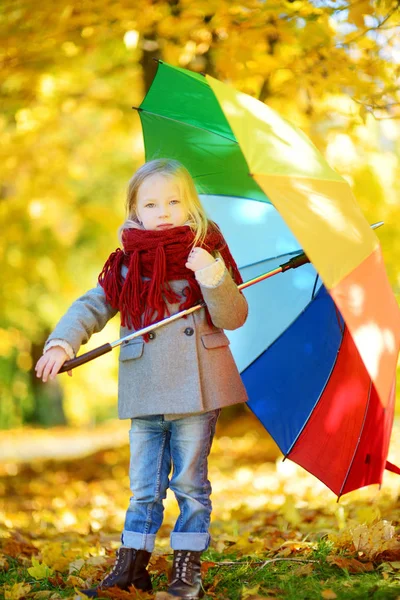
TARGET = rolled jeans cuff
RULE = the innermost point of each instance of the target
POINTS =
(139, 541)
(190, 541)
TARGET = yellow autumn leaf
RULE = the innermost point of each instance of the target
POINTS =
(16, 591)
(344, 539)
(40, 570)
(57, 556)
(367, 514)
(247, 547)
(3, 563)
(42, 595)
(249, 592)
(75, 581)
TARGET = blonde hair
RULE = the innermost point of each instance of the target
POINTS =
(198, 220)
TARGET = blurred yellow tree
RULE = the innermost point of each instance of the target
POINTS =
(70, 141)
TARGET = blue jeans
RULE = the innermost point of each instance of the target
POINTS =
(155, 446)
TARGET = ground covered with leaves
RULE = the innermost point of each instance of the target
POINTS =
(277, 532)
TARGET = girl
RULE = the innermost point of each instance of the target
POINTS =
(173, 381)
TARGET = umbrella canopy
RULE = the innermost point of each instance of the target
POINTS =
(319, 350)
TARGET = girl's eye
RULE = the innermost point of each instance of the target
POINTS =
(149, 205)
(174, 201)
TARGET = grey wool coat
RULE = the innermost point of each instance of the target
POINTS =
(186, 367)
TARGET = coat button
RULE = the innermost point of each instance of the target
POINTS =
(152, 335)
(189, 331)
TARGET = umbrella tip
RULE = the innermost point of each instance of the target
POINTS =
(376, 225)
(137, 108)
(157, 60)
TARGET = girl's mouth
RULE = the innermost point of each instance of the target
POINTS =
(164, 225)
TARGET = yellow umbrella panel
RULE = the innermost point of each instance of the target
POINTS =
(319, 207)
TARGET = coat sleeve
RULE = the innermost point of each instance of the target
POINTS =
(227, 305)
(87, 315)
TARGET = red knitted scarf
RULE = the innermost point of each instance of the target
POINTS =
(154, 258)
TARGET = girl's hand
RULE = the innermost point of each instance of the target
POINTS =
(198, 259)
(51, 362)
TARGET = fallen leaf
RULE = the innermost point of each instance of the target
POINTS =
(91, 572)
(328, 595)
(304, 570)
(39, 570)
(352, 565)
(376, 540)
(211, 589)
(76, 565)
(57, 556)
(15, 549)
(367, 514)
(391, 555)
(118, 594)
(4, 564)
(248, 593)
(42, 594)
(284, 552)
(205, 566)
(342, 540)
(296, 545)
(96, 560)
(75, 581)
(159, 565)
(57, 580)
(16, 591)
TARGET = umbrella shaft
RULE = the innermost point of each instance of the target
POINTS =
(250, 282)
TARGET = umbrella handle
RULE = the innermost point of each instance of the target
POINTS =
(84, 358)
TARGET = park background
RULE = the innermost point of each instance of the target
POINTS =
(70, 141)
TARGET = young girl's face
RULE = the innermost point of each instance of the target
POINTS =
(159, 204)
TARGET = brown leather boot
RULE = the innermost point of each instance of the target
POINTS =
(186, 577)
(129, 569)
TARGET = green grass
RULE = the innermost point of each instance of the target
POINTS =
(278, 579)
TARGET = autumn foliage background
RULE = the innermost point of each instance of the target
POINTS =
(70, 141)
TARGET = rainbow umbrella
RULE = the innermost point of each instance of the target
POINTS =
(318, 352)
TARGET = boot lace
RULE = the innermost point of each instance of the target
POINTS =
(116, 569)
(182, 567)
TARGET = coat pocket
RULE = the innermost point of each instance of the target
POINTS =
(131, 350)
(215, 339)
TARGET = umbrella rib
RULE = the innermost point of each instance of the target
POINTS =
(187, 125)
(315, 286)
(358, 441)
(259, 262)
